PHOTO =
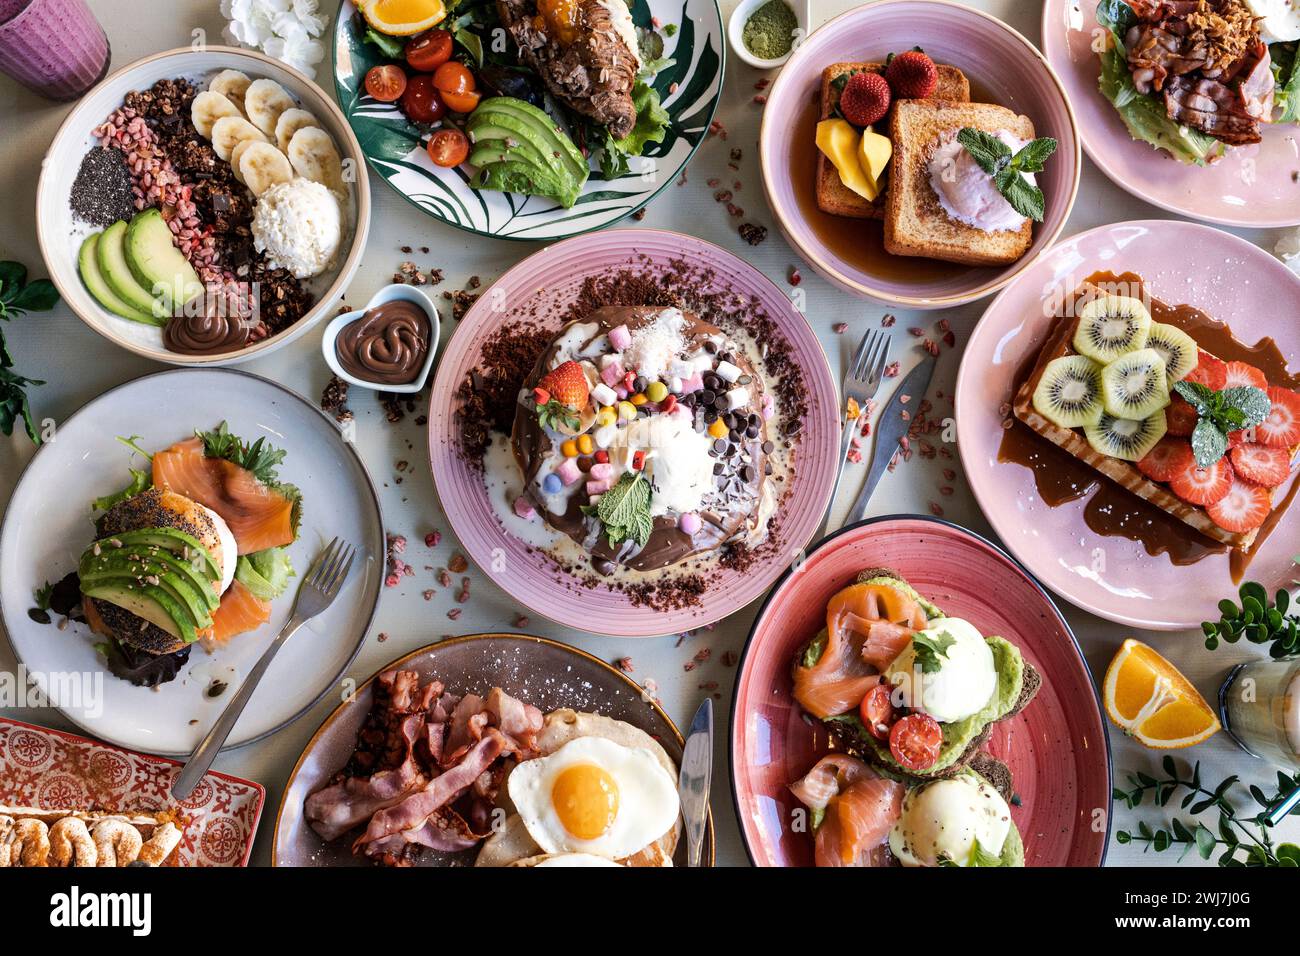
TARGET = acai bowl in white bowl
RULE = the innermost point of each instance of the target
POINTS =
(203, 206)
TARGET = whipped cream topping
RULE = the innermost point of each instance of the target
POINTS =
(967, 193)
(677, 463)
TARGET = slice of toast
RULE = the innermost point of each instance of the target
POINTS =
(832, 195)
(1123, 473)
(915, 223)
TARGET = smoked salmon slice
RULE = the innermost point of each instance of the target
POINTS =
(259, 516)
(860, 808)
(867, 626)
(240, 611)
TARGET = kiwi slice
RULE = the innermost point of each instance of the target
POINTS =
(1126, 438)
(1069, 391)
(1135, 385)
(1176, 347)
(1111, 326)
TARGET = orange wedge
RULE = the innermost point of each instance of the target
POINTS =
(1150, 700)
(403, 18)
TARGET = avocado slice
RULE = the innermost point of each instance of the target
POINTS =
(504, 117)
(511, 177)
(167, 539)
(487, 151)
(111, 252)
(153, 604)
(196, 596)
(157, 264)
(88, 266)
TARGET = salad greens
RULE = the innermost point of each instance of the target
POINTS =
(18, 297)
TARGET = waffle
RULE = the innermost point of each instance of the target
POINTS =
(1121, 472)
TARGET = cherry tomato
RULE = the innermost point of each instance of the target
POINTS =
(421, 102)
(386, 83)
(877, 711)
(429, 50)
(454, 77)
(448, 147)
(915, 741)
(461, 102)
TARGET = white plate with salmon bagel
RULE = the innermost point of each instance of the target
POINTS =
(152, 550)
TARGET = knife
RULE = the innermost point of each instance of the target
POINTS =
(694, 779)
(890, 428)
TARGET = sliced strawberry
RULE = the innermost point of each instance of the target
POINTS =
(1202, 486)
(1282, 427)
(1180, 417)
(1243, 508)
(1261, 465)
(1170, 457)
(1209, 371)
(1239, 373)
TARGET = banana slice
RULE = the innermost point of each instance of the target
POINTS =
(232, 85)
(229, 131)
(264, 101)
(207, 108)
(314, 156)
(237, 154)
(263, 166)
(289, 123)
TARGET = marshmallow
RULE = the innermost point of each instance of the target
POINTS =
(737, 398)
(690, 522)
(728, 372)
(599, 487)
(601, 471)
(602, 394)
(620, 337)
(524, 508)
(569, 472)
(604, 435)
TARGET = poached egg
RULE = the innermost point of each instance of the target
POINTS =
(964, 681)
(941, 821)
(229, 555)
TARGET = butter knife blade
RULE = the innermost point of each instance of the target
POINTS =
(892, 426)
(694, 780)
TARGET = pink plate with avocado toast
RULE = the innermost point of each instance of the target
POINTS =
(658, 497)
(1056, 748)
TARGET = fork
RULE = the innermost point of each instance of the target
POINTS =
(866, 369)
(315, 594)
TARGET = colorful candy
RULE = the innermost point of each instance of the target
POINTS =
(690, 522)
(551, 484)
(620, 337)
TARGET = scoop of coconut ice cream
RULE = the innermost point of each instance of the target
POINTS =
(298, 226)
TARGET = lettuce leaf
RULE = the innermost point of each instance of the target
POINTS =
(651, 126)
(1286, 72)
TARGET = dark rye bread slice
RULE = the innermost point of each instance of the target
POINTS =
(832, 195)
(1031, 682)
(915, 223)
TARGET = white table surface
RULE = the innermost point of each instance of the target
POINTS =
(78, 365)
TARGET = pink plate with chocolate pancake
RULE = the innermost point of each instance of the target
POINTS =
(1056, 747)
(539, 293)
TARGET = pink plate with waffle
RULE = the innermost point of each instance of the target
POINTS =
(1056, 748)
(540, 293)
(53, 770)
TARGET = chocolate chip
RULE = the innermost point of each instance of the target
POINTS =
(768, 448)
(720, 445)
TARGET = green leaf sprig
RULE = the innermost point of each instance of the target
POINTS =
(18, 297)
(624, 510)
(995, 158)
(931, 648)
(1258, 620)
(1245, 840)
(1221, 413)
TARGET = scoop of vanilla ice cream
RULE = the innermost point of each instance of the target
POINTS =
(966, 192)
(298, 226)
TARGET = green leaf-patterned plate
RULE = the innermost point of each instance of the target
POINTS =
(689, 89)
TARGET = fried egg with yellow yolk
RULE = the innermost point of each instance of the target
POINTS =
(594, 796)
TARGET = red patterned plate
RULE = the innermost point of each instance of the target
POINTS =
(55, 770)
(1057, 747)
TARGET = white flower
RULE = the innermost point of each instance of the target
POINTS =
(308, 13)
(283, 29)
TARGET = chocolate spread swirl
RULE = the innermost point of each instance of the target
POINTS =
(207, 334)
(387, 345)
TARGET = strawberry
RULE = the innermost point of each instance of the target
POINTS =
(1242, 509)
(1261, 465)
(912, 75)
(1180, 417)
(1239, 373)
(1282, 427)
(1209, 371)
(1170, 457)
(567, 384)
(865, 99)
(1202, 486)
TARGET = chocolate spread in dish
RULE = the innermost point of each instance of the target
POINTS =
(1111, 511)
(731, 512)
(208, 334)
(387, 345)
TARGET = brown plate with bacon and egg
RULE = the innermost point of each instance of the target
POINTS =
(489, 750)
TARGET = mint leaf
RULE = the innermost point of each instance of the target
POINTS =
(931, 648)
(1253, 403)
(989, 152)
(1209, 443)
(1024, 197)
(982, 857)
(1034, 154)
(1195, 394)
(624, 510)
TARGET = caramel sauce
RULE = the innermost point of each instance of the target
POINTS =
(1112, 511)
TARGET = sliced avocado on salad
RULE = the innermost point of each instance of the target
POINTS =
(519, 148)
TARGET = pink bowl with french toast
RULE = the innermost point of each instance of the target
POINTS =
(1002, 67)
